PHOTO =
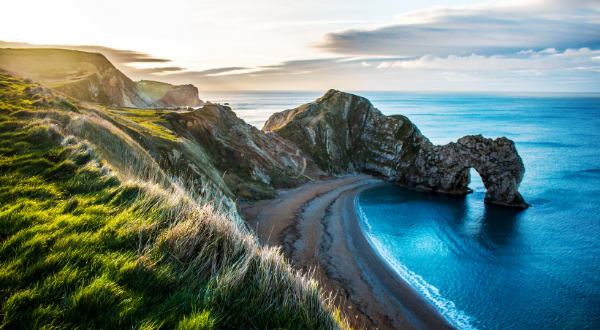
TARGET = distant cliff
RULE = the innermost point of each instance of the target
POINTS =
(344, 133)
(92, 78)
(167, 95)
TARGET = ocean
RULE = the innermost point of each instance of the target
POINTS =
(485, 266)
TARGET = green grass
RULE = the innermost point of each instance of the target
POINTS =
(83, 247)
(148, 119)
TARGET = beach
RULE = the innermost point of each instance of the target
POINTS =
(318, 229)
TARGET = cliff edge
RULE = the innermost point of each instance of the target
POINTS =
(167, 95)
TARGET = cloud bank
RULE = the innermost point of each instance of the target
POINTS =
(485, 29)
(540, 45)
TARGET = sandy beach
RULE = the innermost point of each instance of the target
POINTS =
(318, 229)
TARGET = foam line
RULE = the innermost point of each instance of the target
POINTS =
(445, 307)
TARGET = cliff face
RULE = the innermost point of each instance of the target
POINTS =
(338, 133)
(253, 165)
(344, 133)
(167, 95)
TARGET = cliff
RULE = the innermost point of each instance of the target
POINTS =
(253, 165)
(344, 133)
(92, 78)
(167, 95)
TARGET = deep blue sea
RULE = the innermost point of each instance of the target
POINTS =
(485, 266)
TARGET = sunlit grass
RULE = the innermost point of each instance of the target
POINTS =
(148, 119)
(84, 246)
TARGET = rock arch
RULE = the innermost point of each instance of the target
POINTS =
(344, 133)
(446, 169)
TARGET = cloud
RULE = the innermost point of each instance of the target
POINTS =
(484, 29)
(549, 59)
(384, 65)
(160, 70)
(216, 71)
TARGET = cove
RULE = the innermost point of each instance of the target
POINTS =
(482, 266)
(492, 267)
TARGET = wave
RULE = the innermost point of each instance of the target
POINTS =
(445, 307)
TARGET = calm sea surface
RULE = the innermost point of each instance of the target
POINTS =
(484, 266)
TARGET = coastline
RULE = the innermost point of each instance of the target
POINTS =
(318, 228)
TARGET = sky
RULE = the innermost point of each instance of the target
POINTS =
(353, 45)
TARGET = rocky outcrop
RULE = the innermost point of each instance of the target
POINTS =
(344, 133)
(252, 164)
(446, 169)
(167, 95)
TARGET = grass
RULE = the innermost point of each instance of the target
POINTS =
(148, 119)
(84, 246)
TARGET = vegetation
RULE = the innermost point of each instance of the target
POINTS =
(149, 119)
(84, 244)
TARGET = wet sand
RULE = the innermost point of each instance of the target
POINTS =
(318, 229)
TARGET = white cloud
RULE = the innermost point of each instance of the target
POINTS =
(544, 26)
(236, 44)
(545, 60)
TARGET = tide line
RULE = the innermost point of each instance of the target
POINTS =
(445, 307)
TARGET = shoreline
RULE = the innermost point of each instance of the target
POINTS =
(318, 228)
(422, 314)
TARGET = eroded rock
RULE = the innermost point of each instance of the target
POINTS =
(344, 133)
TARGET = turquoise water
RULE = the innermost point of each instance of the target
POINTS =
(491, 267)
(484, 266)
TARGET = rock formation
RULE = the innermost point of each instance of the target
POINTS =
(344, 133)
(167, 95)
(252, 164)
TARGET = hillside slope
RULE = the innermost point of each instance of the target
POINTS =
(96, 234)
(91, 77)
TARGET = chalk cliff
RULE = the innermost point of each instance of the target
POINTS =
(344, 133)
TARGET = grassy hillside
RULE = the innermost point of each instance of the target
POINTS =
(95, 235)
(85, 76)
(91, 77)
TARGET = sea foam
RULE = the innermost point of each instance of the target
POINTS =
(445, 307)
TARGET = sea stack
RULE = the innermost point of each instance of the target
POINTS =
(345, 133)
